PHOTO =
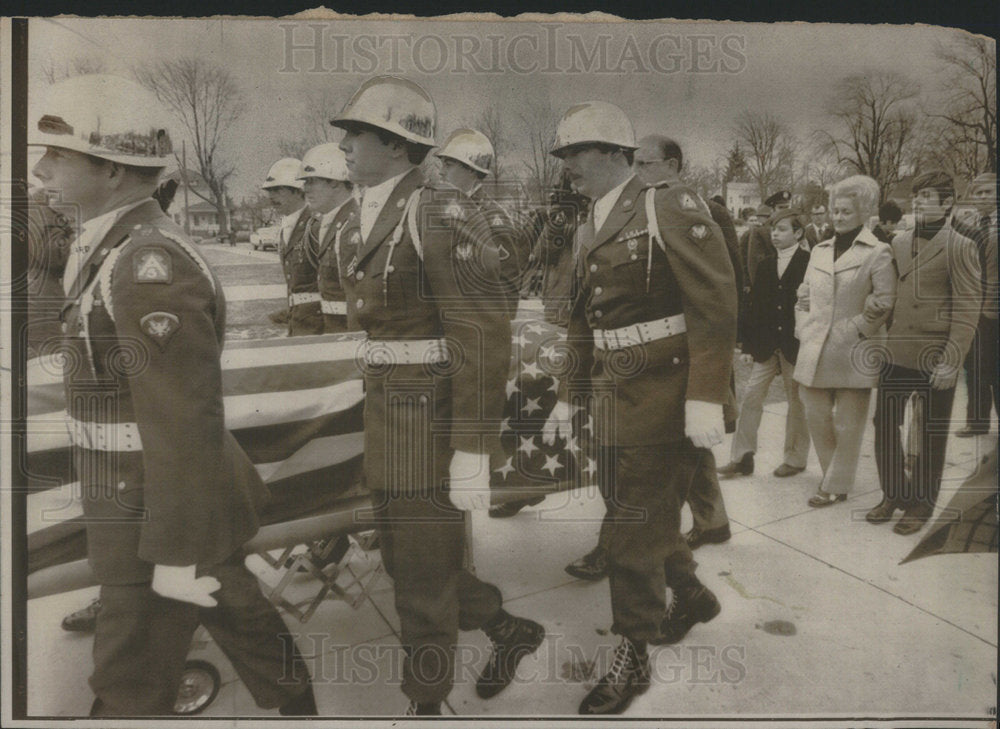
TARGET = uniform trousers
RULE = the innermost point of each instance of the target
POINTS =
(920, 488)
(644, 488)
(142, 641)
(796, 430)
(981, 376)
(704, 496)
(837, 419)
(407, 458)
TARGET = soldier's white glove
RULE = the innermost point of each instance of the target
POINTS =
(469, 481)
(559, 423)
(180, 583)
(703, 423)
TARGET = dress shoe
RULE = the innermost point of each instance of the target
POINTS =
(336, 553)
(512, 638)
(785, 470)
(510, 508)
(429, 708)
(970, 431)
(302, 705)
(83, 620)
(696, 537)
(689, 605)
(912, 520)
(591, 566)
(627, 678)
(881, 513)
(821, 498)
(742, 467)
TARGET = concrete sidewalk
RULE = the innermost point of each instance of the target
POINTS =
(819, 620)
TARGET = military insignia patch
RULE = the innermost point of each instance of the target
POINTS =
(160, 326)
(151, 265)
(356, 238)
(463, 252)
(688, 202)
(454, 211)
(400, 203)
(699, 232)
(352, 266)
(633, 244)
(627, 204)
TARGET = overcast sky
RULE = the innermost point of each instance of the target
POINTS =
(685, 79)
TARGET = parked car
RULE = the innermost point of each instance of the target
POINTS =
(264, 239)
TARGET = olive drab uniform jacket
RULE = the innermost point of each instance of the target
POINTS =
(625, 276)
(442, 282)
(513, 246)
(162, 480)
(338, 316)
(299, 263)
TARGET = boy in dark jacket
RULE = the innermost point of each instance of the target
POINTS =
(769, 341)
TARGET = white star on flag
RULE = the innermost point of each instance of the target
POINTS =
(531, 406)
(531, 370)
(527, 445)
(590, 424)
(552, 464)
(533, 328)
(555, 385)
(512, 387)
(591, 468)
(507, 467)
(520, 340)
(505, 425)
(572, 445)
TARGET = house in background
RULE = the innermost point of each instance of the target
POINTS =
(741, 195)
(203, 220)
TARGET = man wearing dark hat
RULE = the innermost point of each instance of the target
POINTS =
(937, 308)
(981, 363)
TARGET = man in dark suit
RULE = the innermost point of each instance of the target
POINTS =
(653, 328)
(981, 362)
(169, 498)
(424, 276)
(938, 300)
(819, 228)
(769, 342)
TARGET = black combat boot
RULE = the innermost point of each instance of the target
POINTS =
(513, 639)
(627, 678)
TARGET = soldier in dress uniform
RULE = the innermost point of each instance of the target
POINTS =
(328, 194)
(297, 260)
(169, 498)
(421, 269)
(653, 328)
(467, 157)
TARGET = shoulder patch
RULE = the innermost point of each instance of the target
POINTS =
(160, 326)
(687, 202)
(699, 232)
(152, 264)
(455, 211)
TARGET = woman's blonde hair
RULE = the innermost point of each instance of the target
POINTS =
(861, 190)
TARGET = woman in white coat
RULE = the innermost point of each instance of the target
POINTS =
(845, 298)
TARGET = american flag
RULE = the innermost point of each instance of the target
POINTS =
(295, 405)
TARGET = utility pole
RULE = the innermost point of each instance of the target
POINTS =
(184, 179)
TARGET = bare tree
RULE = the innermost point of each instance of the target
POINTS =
(76, 66)
(538, 123)
(207, 100)
(492, 122)
(707, 181)
(877, 122)
(769, 150)
(969, 107)
(318, 108)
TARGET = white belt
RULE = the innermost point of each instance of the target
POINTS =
(111, 437)
(306, 298)
(382, 352)
(333, 307)
(633, 334)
